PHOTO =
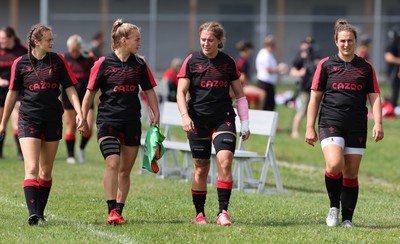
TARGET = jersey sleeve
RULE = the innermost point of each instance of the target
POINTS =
(96, 75)
(67, 77)
(320, 77)
(372, 81)
(16, 79)
(148, 81)
(185, 71)
(236, 73)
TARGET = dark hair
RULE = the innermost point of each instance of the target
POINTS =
(217, 29)
(10, 32)
(243, 45)
(343, 25)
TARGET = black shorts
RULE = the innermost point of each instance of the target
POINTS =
(3, 95)
(128, 134)
(67, 104)
(44, 130)
(206, 128)
(353, 137)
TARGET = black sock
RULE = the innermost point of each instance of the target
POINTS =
(31, 195)
(43, 196)
(84, 141)
(349, 198)
(199, 200)
(70, 142)
(224, 189)
(333, 185)
(19, 151)
(120, 207)
(112, 204)
(1, 145)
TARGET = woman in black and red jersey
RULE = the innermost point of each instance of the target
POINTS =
(208, 116)
(10, 49)
(36, 78)
(119, 76)
(343, 82)
(80, 63)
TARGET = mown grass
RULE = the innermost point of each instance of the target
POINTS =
(159, 211)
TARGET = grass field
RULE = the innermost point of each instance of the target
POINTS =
(159, 211)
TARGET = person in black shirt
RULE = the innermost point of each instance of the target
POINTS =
(80, 63)
(342, 83)
(392, 58)
(10, 49)
(119, 75)
(36, 78)
(208, 116)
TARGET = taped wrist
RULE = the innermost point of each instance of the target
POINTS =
(242, 107)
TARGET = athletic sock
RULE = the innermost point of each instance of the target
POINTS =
(43, 195)
(349, 198)
(84, 141)
(120, 207)
(31, 195)
(19, 151)
(199, 200)
(70, 141)
(112, 204)
(224, 189)
(1, 145)
(333, 185)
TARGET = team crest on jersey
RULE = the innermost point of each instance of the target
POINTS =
(331, 130)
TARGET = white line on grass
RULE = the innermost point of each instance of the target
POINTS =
(310, 168)
(77, 223)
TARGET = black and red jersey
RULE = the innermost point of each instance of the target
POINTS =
(7, 57)
(119, 84)
(40, 87)
(210, 81)
(345, 86)
(81, 68)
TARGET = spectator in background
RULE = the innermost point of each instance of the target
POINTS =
(10, 49)
(97, 44)
(392, 58)
(169, 77)
(268, 70)
(80, 63)
(363, 46)
(252, 92)
(303, 67)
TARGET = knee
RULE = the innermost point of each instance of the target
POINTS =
(201, 167)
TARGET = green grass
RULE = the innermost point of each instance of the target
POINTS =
(159, 211)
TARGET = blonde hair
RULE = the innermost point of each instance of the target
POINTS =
(217, 29)
(343, 25)
(119, 30)
(74, 41)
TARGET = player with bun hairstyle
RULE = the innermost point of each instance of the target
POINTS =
(341, 84)
(208, 116)
(36, 78)
(119, 75)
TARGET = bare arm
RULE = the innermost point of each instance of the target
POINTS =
(390, 58)
(181, 95)
(377, 130)
(11, 99)
(312, 112)
(154, 111)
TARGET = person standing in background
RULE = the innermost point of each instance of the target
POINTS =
(392, 58)
(10, 49)
(80, 63)
(36, 78)
(169, 77)
(268, 70)
(97, 44)
(120, 76)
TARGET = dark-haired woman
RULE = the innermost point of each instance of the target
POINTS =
(119, 76)
(341, 84)
(10, 49)
(36, 78)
